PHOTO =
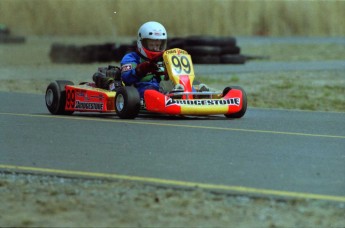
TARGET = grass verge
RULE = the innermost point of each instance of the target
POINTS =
(305, 90)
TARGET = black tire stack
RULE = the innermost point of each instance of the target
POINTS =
(203, 49)
(61, 53)
(7, 37)
(210, 50)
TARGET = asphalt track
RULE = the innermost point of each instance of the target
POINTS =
(268, 151)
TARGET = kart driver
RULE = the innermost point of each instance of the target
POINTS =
(143, 68)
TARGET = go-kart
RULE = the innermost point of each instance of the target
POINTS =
(180, 97)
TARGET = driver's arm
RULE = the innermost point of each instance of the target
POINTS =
(128, 73)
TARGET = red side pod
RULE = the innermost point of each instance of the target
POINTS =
(83, 100)
(237, 98)
(157, 102)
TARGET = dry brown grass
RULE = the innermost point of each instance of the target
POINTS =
(212, 17)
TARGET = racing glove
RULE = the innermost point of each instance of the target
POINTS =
(144, 68)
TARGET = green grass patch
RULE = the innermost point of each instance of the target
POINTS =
(304, 90)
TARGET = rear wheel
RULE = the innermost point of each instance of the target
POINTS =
(244, 102)
(56, 97)
(127, 102)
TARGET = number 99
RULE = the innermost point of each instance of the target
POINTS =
(180, 65)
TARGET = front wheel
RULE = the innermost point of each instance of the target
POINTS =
(56, 97)
(243, 110)
(127, 102)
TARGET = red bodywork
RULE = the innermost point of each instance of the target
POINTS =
(88, 99)
(160, 103)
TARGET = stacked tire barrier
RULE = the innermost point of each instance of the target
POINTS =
(60, 53)
(203, 49)
(108, 52)
(210, 50)
(7, 37)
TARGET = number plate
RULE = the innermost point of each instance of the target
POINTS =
(178, 63)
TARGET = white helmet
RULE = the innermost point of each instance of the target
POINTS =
(152, 39)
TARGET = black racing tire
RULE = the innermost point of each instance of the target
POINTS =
(127, 102)
(244, 102)
(11, 39)
(230, 50)
(233, 59)
(56, 53)
(55, 97)
(4, 30)
(206, 59)
(125, 48)
(203, 50)
(86, 54)
(210, 41)
(176, 43)
(60, 53)
(105, 52)
(103, 56)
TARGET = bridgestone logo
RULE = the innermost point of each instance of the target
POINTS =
(230, 101)
(88, 105)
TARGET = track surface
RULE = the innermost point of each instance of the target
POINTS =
(280, 150)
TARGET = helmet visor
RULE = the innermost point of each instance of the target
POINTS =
(154, 45)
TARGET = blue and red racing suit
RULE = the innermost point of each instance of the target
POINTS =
(128, 74)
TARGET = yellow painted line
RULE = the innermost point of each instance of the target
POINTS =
(84, 118)
(239, 189)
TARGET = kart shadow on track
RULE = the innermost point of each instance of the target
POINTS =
(150, 116)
